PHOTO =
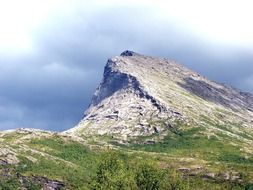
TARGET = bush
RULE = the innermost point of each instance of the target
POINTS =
(112, 174)
(148, 177)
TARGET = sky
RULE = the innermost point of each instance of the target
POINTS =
(53, 52)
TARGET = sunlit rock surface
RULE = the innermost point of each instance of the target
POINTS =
(142, 95)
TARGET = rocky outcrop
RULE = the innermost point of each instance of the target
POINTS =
(25, 182)
(7, 156)
(43, 182)
(142, 95)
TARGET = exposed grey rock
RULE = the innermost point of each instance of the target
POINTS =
(7, 156)
(209, 175)
(46, 183)
(150, 142)
(226, 96)
(3, 162)
(128, 53)
(142, 95)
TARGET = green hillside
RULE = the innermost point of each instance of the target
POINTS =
(182, 160)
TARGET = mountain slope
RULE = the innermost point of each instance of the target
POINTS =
(33, 159)
(142, 95)
(145, 111)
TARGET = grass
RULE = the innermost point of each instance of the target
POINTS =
(81, 177)
(82, 161)
(76, 163)
(73, 177)
(186, 142)
(235, 158)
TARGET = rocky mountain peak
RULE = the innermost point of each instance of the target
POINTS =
(128, 53)
(142, 95)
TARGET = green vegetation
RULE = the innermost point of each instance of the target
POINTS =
(114, 172)
(9, 184)
(189, 143)
(12, 182)
(206, 163)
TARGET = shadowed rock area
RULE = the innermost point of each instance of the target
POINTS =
(226, 96)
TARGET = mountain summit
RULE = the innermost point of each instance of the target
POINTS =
(149, 117)
(142, 95)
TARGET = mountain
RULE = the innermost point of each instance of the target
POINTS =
(141, 95)
(151, 123)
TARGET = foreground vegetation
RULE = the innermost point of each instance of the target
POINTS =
(182, 160)
(115, 170)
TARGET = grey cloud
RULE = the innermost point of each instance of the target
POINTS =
(51, 87)
(49, 96)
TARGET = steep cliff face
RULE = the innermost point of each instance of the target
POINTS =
(142, 95)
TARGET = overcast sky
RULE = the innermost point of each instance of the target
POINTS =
(52, 52)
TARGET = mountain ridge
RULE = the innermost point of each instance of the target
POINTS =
(148, 114)
(140, 84)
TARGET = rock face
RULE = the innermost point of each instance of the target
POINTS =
(7, 156)
(142, 95)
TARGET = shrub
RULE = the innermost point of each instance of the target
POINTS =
(112, 174)
(147, 177)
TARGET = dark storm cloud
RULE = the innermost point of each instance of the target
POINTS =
(51, 87)
(48, 96)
